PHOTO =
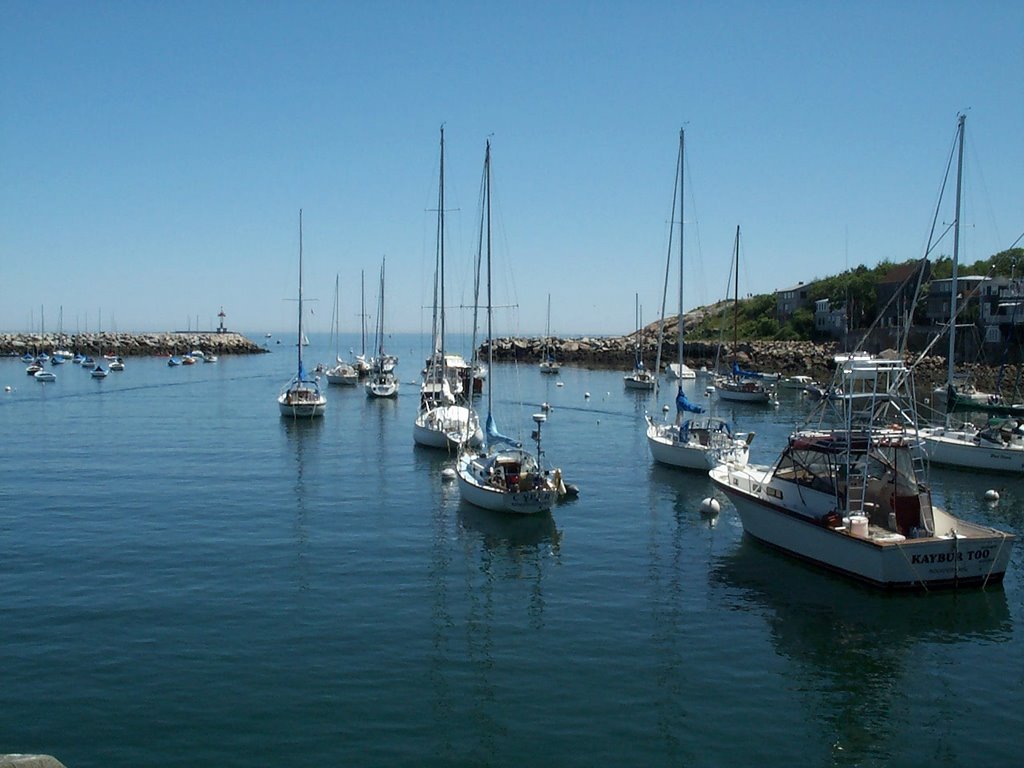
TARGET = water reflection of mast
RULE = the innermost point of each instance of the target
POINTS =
(298, 431)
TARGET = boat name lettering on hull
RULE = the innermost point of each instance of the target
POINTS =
(949, 557)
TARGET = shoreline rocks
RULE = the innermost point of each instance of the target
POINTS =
(129, 344)
(787, 358)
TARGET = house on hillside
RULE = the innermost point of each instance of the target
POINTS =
(789, 300)
(1002, 310)
(895, 292)
(972, 292)
(828, 321)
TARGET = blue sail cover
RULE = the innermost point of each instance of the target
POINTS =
(494, 436)
(737, 371)
(682, 404)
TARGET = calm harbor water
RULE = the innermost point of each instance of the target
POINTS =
(189, 578)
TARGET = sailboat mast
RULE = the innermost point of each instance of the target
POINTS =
(440, 248)
(380, 348)
(956, 255)
(490, 335)
(337, 340)
(736, 298)
(300, 292)
(682, 209)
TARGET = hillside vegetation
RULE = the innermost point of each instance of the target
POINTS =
(856, 288)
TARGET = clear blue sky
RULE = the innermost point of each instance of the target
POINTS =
(154, 156)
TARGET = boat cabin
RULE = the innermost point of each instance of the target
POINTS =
(869, 473)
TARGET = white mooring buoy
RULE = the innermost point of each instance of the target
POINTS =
(991, 495)
(710, 506)
(447, 473)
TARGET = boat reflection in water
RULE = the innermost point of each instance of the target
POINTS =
(865, 660)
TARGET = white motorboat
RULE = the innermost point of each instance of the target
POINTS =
(45, 375)
(99, 372)
(117, 364)
(301, 397)
(502, 476)
(848, 493)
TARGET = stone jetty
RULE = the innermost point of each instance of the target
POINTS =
(786, 358)
(129, 344)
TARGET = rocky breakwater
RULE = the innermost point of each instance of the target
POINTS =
(129, 344)
(786, 358)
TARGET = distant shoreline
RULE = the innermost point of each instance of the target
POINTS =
(129, 344)
(786, 358)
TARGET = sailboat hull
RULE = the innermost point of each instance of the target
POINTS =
(523, 494)
(958, 448)
(700, 448)
(743, 393)
(302, 411)
(643, 383)
(449, 427)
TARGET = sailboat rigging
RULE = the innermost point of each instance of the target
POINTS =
(549, 364)
(503, 476)
(444, 419)
(382, 381)
(998, 447)
(301, 396)
(341, 372)
(692, 441)
(740, 385)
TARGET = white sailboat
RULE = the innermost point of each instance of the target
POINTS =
(301, 397)
(738, 385)
(443, 419)
(503, 476)
(640, 378)
(549, 364)
(382, 381)
(341, 372)
(361, 364)
(848, 493)
(998, 448)
(691, 441)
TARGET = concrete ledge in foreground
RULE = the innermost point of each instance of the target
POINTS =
(30, 761)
